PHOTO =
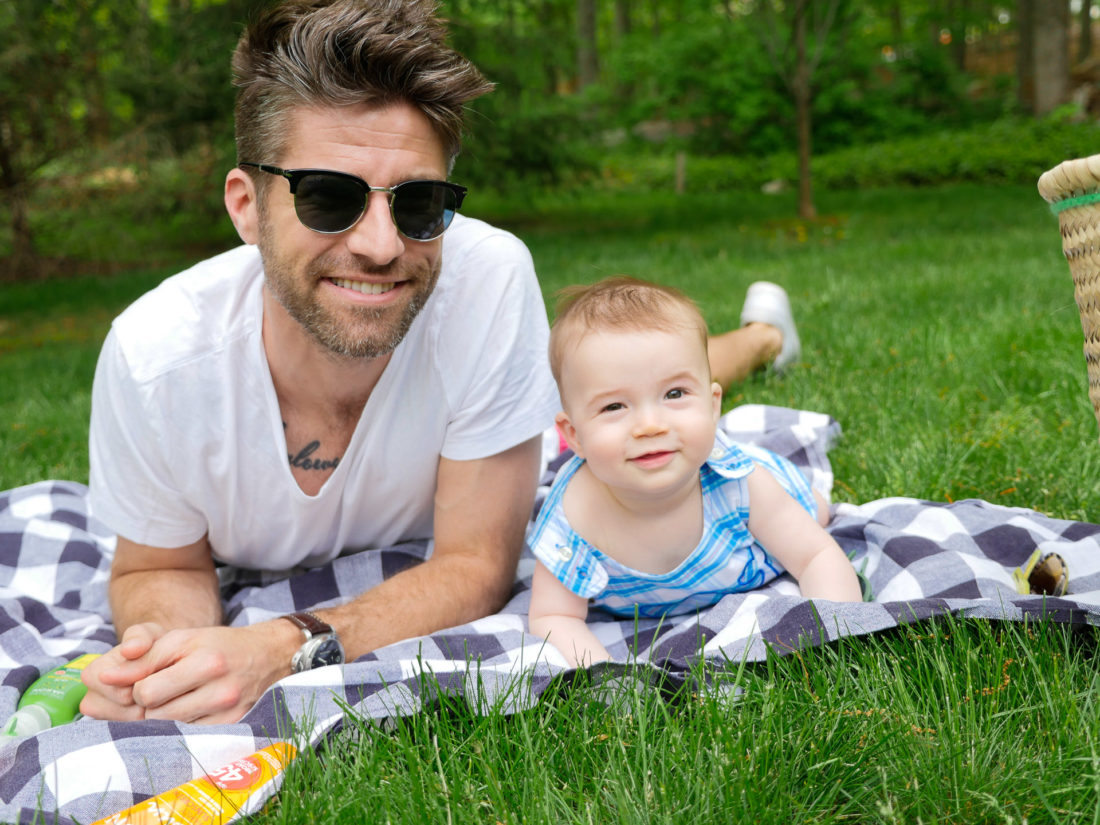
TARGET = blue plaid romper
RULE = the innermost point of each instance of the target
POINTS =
(726, 560)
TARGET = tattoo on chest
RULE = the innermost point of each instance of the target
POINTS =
(304, 459)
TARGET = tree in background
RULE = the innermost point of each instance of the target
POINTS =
(1084, 42)
(1043, 54)
(588, 53)
(535, 127)
(141, 87)
(53, 97)
(795, 36)
(91, 89)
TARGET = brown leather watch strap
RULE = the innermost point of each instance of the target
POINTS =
(308, 622)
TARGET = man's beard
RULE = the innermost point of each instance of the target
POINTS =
(356, 332)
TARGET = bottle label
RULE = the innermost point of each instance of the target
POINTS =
(222, 796)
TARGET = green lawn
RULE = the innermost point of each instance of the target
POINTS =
(952, 722)
(939, 328)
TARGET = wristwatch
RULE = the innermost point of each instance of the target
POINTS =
(321, 647)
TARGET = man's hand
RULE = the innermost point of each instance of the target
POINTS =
(214, 674)
(209, 674)
(110, 679)
(175, 660)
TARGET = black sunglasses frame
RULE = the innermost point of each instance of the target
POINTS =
(296, 176)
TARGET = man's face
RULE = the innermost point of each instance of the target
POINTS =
(357, 292)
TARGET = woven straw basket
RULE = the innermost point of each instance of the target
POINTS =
(1072, 188)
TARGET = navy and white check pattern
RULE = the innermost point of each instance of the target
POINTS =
(922, 559)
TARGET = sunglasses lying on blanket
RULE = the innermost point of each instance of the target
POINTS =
(333, 202)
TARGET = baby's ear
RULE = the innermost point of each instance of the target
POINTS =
(716, 393)
(568, 432)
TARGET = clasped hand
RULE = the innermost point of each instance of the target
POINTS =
(208, 674)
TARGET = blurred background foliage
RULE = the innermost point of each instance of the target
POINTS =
(116, 115)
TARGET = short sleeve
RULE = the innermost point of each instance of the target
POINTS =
(564, 553)
(728, 459)
(130, 475)
(492, 349)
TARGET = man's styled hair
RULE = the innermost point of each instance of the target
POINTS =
(347, 52)
(620, 303)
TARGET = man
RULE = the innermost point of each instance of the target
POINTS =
(340, 385)
(349, 379)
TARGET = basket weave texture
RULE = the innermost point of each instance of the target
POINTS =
(1073, 190)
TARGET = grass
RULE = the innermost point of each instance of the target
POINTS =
(946, 722)
(50, 334)
(939, 328)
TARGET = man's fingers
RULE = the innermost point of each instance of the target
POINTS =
(194, 688)
(124, 665)
(178, 669)
(111, 677)
(205, 705)
(122, 673)
(98, 706)
(109, 693)
(138, 639)
(206, 674)
(121, 696)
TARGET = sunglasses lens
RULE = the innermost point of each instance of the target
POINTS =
(329, 203)
(422, 209)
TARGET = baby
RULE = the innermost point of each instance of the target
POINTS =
(658, 512)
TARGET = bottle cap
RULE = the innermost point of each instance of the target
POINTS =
(27, 721)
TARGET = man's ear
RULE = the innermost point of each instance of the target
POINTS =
(568, 432)
(241, 204)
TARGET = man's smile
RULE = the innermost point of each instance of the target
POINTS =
(364, 287)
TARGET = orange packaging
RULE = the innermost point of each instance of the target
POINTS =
(222, 796)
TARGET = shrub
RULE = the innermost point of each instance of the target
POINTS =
(1006, 151)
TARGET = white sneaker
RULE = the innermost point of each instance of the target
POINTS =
(767, 303)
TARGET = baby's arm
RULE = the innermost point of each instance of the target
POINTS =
(799, 542)
(557, 614)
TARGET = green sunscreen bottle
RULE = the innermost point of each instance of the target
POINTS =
(53, 699)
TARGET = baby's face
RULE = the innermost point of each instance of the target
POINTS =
(640, 408)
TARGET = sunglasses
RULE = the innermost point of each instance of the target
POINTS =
(333, 202)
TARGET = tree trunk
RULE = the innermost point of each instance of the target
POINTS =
(588, 62)
(624, 25)
(935, 22)
(24, 263)
(623, 22)
(1051, 54)
(1084, 47)
(959, 14)
(803, 97)
(897, 24)
(1025, 53)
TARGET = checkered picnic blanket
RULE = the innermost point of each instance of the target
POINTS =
(921, 559)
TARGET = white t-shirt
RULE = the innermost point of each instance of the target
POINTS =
(187, 440)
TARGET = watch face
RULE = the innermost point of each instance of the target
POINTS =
(329, 651)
